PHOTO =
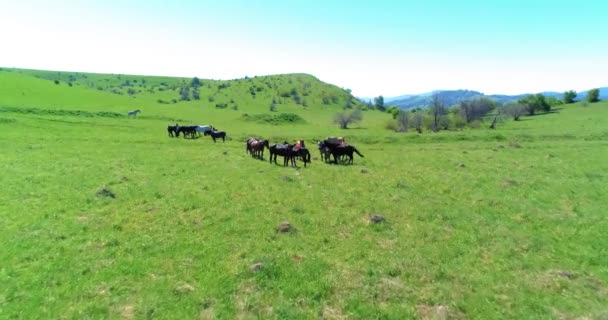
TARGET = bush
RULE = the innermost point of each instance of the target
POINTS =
(221, 105)
(274, 119)
(458, 122)
(394, 111)
(475, 124)
(391, 125)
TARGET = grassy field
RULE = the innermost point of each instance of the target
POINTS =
(480, 224)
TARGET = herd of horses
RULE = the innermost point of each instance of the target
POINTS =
(290, 152)
(329, 147)
(194, 132)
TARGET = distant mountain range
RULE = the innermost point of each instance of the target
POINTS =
(454, 97)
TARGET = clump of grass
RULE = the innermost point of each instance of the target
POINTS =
(59, 112)
(7, 120)
(274, 119)
(105, 192)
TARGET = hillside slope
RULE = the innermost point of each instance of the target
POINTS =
(289, 91)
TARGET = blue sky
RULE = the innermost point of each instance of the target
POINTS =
(374, 47)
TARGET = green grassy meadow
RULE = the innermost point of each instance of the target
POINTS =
(480, 224)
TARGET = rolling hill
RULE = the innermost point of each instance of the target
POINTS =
(289, 91)
(454, 97)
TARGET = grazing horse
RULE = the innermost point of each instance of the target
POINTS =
(187, 131)
(216, 134)
(256, 148)
(324, 150)
(284, 150)
(248, 144)
(134, 112)
(342, 150)
(302, 153)
(172, 130)
(203, 129)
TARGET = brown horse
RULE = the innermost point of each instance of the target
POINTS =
(256, 148)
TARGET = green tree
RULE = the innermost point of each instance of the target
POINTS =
(196, 95)
(394, 110)
(184, 94)
(195, 83)
(535, 103)
(569, 96)
(593, 95)
(379, 103)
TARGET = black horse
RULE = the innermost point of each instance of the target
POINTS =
(302, 153)
(216, 135)
(339, 150)
(284, 150)
(172, 130)
(187, 131)
(324, 151)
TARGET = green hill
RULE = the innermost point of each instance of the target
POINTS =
(289, 91)
(105, 216)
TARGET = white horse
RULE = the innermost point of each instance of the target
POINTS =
(203, 129)
(134, 112)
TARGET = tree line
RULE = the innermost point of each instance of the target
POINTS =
(471, 112)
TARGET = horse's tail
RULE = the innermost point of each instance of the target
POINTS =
(307, 159)
(357, 151)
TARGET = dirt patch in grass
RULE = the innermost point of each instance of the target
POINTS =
(127, 312)
(333, 313)
(508, 183)
(184, 288)
(440, 312)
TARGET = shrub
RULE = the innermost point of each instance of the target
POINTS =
(274, 119)
(221, 105)
(391, 125)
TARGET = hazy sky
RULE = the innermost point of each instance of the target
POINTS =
(372, 47)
